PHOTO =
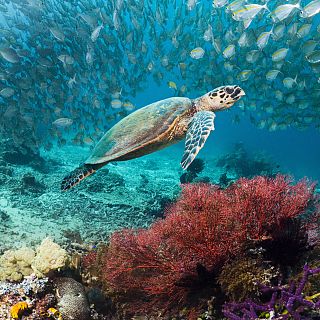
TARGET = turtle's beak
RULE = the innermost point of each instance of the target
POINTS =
(242, 93)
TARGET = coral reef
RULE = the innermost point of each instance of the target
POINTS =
(242, 164)
(21, 153)
(287, 302)
(72, 300)
(29, 298)
(240, 279)
(18, 309)
(204, 229)
(48, 257)
(15, 264)
(193, 171)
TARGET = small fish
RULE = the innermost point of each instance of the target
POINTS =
(289, 82)
(57, 34)
(219, 3)
(216, 45)
(66, 59)
(89, 55)
(197, 53)
(304, 30)
(10, 55)
(228, 66)
(313, 57)
(7, 92)
(309, 46)
(278, 32)
(150, 66)
(191, 4)
(172, 85)
(116, 104)
(252, 56)
(292, 29)
(311, 9)
(272, 75)
(263, 39)
(248, 11)
(243, 40)
(280, 54)
(283, 11)
(229, 51)
(95, 33)
(235, 5)
(62, 122)
(208, 35)
(244, 75)
(127, 105)
(72, 81)
(279, 95)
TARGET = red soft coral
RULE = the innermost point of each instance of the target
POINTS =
(169, 265)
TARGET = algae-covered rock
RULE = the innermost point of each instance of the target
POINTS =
(49, 257)
(15, 264)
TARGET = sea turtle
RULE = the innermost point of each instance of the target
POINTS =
(157, 126)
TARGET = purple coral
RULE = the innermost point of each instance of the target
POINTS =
(287, 302)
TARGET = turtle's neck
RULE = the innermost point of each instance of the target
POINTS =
(199, 104)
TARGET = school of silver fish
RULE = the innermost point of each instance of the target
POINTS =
(70, 69)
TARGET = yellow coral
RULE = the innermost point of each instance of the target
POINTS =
(18, 309)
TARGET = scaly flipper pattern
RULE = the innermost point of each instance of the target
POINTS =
(199, 129)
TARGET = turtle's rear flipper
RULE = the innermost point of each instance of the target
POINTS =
(77, 175)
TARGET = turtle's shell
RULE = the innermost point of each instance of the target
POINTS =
(139, 130)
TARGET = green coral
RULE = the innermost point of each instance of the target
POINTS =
(239, 279)
(15, 264)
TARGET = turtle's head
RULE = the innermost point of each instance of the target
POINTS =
(221, 98)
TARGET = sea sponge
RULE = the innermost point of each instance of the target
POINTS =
(49, 257)
(15, 264)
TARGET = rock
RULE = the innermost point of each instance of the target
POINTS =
(29, 183)
(6, 171)
(23, 156)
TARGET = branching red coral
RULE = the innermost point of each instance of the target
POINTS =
(168, 265)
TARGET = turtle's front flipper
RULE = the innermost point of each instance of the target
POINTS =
(77, 175)
(197, 134)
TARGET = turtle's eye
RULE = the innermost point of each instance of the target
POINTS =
(229, 90)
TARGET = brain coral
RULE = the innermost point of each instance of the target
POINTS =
(72, 300)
